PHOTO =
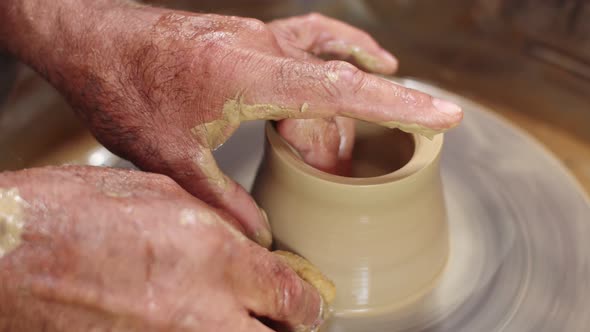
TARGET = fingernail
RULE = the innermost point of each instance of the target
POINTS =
(264, 238)
(264, 217)
(446, 106)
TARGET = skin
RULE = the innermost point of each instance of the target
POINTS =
(120, 250)
(163, 88)
(143, 78)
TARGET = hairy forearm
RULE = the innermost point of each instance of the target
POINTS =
(32, 26)
(63, 35)
(82, 47)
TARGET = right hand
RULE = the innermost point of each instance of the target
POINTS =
(119, 250)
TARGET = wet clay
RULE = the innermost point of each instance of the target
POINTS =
(413, 128)
(11, 220)
(205, 161)
(365, 59)
(358, 55)
(235, 111)
(312, 275)
(381, 238)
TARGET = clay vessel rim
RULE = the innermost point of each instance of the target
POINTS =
(426, 152)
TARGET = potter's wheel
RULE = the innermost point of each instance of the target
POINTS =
(520, 232)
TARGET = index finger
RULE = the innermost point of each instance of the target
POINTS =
(298, 89)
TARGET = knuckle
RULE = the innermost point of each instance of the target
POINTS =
(287, 76)
(314, 17)
(413, 97)
(254, 25)
(258, 29)
(339, 66)
(346, 75)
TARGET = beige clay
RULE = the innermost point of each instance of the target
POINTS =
(11, 220)
(310, 274)
(234, 112)
(411, 128)
(206, 163)
(382, 239)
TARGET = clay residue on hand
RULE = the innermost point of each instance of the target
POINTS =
(312, 275)
(207, 164)
(412, 128)
(332, 77)
(117, 194)
(360, 56)
(11, 220)
(235, 111)
(364, 59)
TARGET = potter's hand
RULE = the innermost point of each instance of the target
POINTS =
(104, 249)
(163, 88)
(327, 143)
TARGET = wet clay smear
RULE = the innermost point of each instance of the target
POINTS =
(11, 220)
(310, 274)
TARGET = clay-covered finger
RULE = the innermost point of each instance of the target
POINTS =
(322, 35)
(269, 288)
(336, 88)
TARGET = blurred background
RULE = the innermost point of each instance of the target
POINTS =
(529, 61)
